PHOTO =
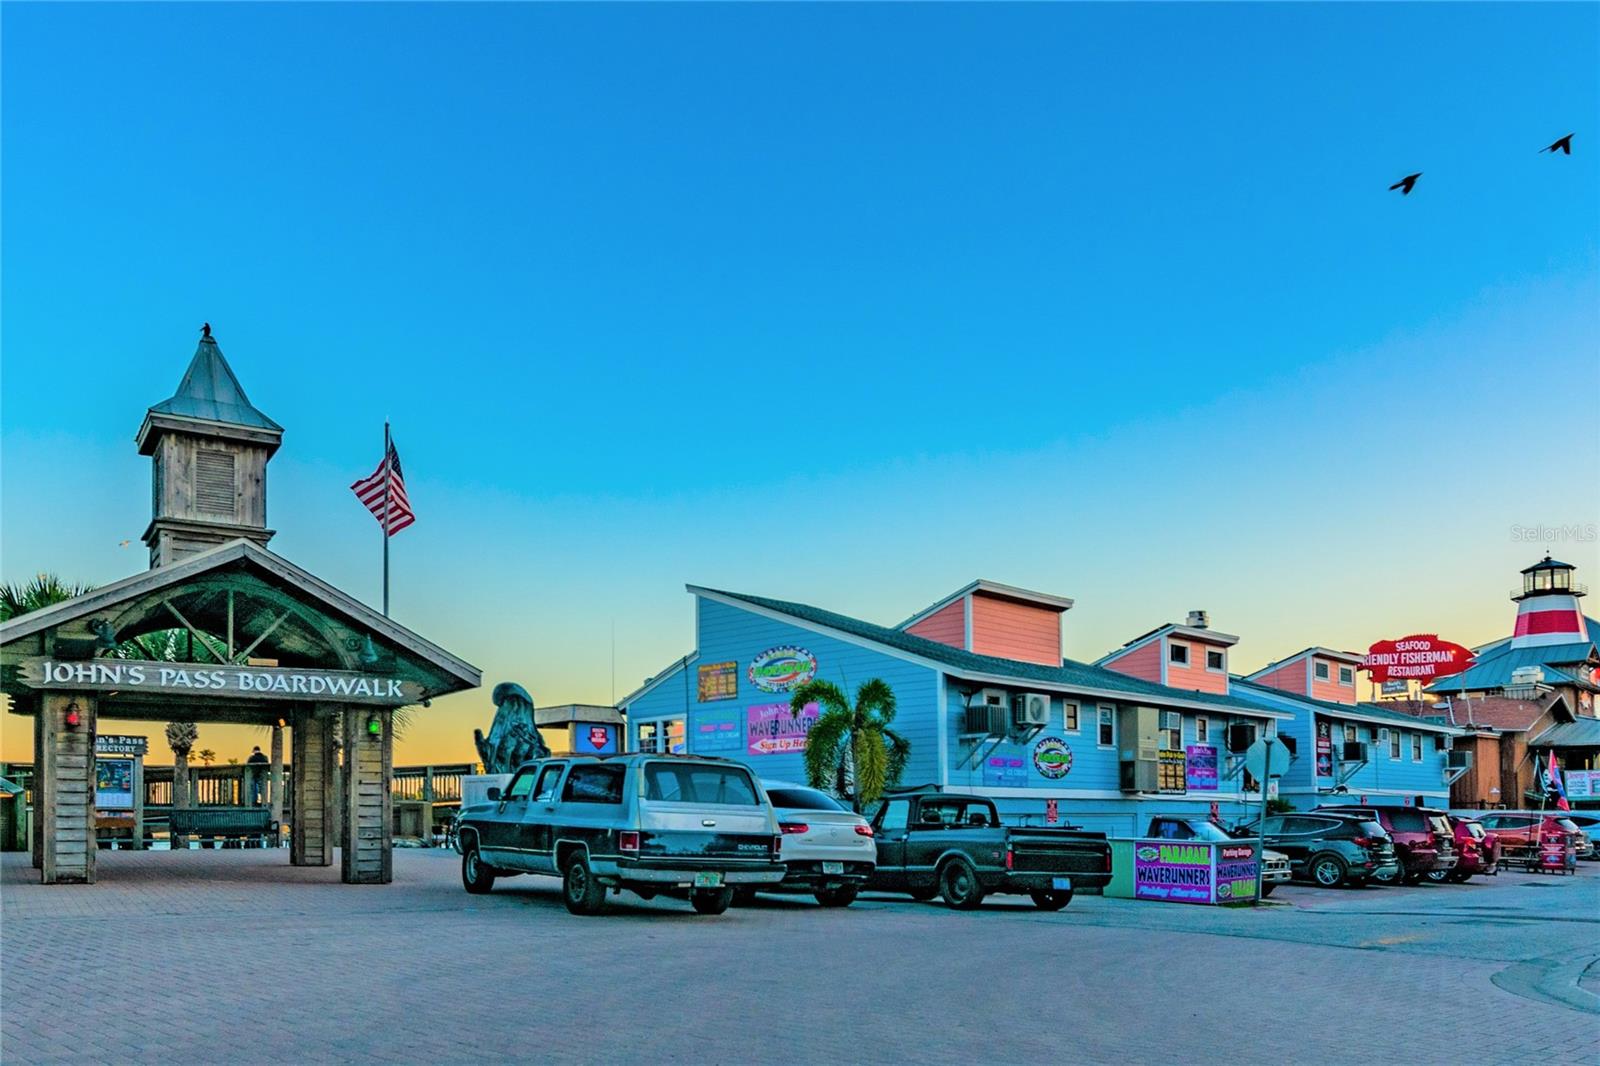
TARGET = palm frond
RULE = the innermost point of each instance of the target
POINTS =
(42, 591)
(876, 695)
(824, 747)
(899, 751)
(825, 694)
(872, 765)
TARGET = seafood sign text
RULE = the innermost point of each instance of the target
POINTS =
(219, 680)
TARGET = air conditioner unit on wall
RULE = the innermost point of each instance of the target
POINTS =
(1030, 710)
(1355, 751)
(1458, 760)
(1240, 736)
(987, 719)
(1140, 775)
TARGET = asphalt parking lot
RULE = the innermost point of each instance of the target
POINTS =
(236, 956)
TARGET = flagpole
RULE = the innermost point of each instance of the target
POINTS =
(388, 475)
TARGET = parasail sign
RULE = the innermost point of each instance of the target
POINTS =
(1421, 657)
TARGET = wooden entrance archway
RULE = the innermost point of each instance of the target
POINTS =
(192, 642)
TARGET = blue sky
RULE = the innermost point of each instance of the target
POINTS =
(846, 304)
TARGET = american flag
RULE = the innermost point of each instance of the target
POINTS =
(370, 491)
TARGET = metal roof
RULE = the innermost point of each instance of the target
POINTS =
(1268, 696)
(209, 392)
(1580, 733)
(1069, 675)
(1494, 669)
(1548, 563)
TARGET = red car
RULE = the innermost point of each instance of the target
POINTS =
(1423, 840)
(1521, 831)
(1477, 852)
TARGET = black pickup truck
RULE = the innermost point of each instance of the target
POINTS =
(932, 842)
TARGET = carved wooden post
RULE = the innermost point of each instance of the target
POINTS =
(64, 798)
(36, 829)
(368, 814)
(311, 836)
(276, 784)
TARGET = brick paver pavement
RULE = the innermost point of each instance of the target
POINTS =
(237, 957)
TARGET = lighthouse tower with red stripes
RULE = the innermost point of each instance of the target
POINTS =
(1547, 606)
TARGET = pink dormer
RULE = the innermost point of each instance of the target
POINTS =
(988, 618)
(1191, 656)
(1321, 673)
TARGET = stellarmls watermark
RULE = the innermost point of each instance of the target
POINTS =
(1574, 533)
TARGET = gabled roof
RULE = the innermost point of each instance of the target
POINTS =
(1071, 675)
(999, 592)
(1212, 636)
(1265, 695)
(453, 674)
(1485, 712)
(1497, 660)
(1578, 733)
(1353, 658)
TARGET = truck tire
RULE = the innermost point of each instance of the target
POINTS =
(710, 900)
(923, 895)
(842, 896)
(959, 884)
(477, 876)
(1267, 887)
(579, 890)
(1050, 901)
(743, 896)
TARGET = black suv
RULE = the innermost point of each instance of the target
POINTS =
(1328, 849)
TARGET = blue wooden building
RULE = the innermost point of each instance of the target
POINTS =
(986, 700)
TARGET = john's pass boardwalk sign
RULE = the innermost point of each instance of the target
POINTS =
(246, 682)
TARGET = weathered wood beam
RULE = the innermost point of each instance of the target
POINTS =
(193, 632)
(265, 633)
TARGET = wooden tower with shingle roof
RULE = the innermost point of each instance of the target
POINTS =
(209, 448)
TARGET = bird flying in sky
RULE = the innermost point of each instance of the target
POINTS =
(1406, 184)
(1564, 146)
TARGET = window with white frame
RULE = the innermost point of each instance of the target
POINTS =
(1177, 653)
(1107, 727)
(1347, 675)
(1394, 743)
(662, 737)
(1216, 660)
(1069, 716)
(1416, 747)
(1320, 670)
(1349, 733)
(1172, 730)
(1202, 730)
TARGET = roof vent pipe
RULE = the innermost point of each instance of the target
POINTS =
(1199, 620)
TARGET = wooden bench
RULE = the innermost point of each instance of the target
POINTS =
(242, 827)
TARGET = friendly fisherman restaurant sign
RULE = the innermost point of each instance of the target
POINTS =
(195, 679)
(1421, 657)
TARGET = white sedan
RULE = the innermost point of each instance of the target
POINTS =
(827, 848)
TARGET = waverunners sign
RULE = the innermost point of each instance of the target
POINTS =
(1422, 657)
(199, 679)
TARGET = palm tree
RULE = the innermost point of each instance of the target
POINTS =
(206, 756)
(42, 591)
(181, 738)
(852, 750)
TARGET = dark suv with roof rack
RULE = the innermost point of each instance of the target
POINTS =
(647, 823)
(1329, 848)
(1424, 839)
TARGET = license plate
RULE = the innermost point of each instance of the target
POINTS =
(709, 879)
(1063, 884)
(833, 867)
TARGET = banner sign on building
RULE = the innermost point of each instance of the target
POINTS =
(1200, 768)
(1324, 749)
(718, 732)
(115, 744)
(719, 681)
(1421, 657)
(1171, 777)
(772, 730)
(1005, 771)
(1582, 784)
(594, 739)
(113, 784)
(782, 669)
(130, 677)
